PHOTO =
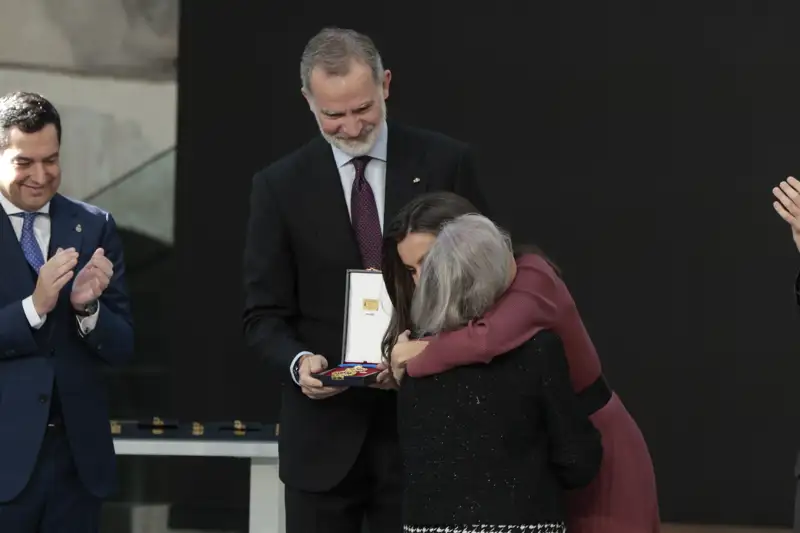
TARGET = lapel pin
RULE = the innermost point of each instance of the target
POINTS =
(78, 228)
(416, 180)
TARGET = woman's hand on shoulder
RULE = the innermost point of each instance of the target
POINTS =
(403, 352)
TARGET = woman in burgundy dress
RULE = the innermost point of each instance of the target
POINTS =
(623, 497)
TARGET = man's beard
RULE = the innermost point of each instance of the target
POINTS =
(360, 145)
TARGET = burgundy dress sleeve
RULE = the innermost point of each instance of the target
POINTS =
(531, 304)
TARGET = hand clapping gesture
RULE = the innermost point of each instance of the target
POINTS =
(787, 205)
(92, 280)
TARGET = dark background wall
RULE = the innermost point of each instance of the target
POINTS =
(636, 142)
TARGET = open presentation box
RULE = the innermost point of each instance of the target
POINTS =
(367, 313)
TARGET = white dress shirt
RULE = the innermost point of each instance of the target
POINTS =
(375, 174)
(41, 230)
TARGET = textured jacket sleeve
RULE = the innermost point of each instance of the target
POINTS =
(575, 444)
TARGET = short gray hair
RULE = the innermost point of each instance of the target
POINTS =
(466, 270)
(334, 49)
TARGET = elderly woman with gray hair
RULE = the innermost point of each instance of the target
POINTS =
(487, 448)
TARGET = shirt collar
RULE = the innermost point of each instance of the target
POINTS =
(378, 151)
(11, 209)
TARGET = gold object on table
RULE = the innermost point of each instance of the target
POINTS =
(116, 428)
(197, 429)
(239, 428)
(158, 426)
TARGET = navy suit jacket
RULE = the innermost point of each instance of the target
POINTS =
(31, 360)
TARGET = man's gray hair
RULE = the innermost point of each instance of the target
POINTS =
(334, 49)
(466, 270)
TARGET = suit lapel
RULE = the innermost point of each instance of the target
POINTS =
(65, 229)
(19, 274)
(404, 179)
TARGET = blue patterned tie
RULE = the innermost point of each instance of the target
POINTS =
(31, 249)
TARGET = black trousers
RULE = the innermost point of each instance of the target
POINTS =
(370, 495)
(55, 500)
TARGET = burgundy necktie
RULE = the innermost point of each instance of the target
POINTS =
(364, 216)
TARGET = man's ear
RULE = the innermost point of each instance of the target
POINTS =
(387, 79)
(308, 97)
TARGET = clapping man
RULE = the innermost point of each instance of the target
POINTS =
(64, 316)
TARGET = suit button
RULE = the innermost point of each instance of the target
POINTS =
(43, 398)
(99, 347)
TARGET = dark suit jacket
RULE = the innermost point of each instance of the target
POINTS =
(299, 244)
(31, 360)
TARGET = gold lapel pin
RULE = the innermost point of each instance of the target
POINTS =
(416, 180)
(78, 228)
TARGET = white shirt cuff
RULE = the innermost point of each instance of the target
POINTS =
(294, 362)
(33, 317)
(86, 324)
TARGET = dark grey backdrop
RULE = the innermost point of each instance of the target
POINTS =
(636, 142)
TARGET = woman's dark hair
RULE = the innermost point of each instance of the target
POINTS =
(424, 214)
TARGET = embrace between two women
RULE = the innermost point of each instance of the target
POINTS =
(504, 415)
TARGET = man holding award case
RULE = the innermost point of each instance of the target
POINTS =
(314, 298)
(366, 317)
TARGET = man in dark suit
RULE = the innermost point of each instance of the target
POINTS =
(64, 316)
(314, 214)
